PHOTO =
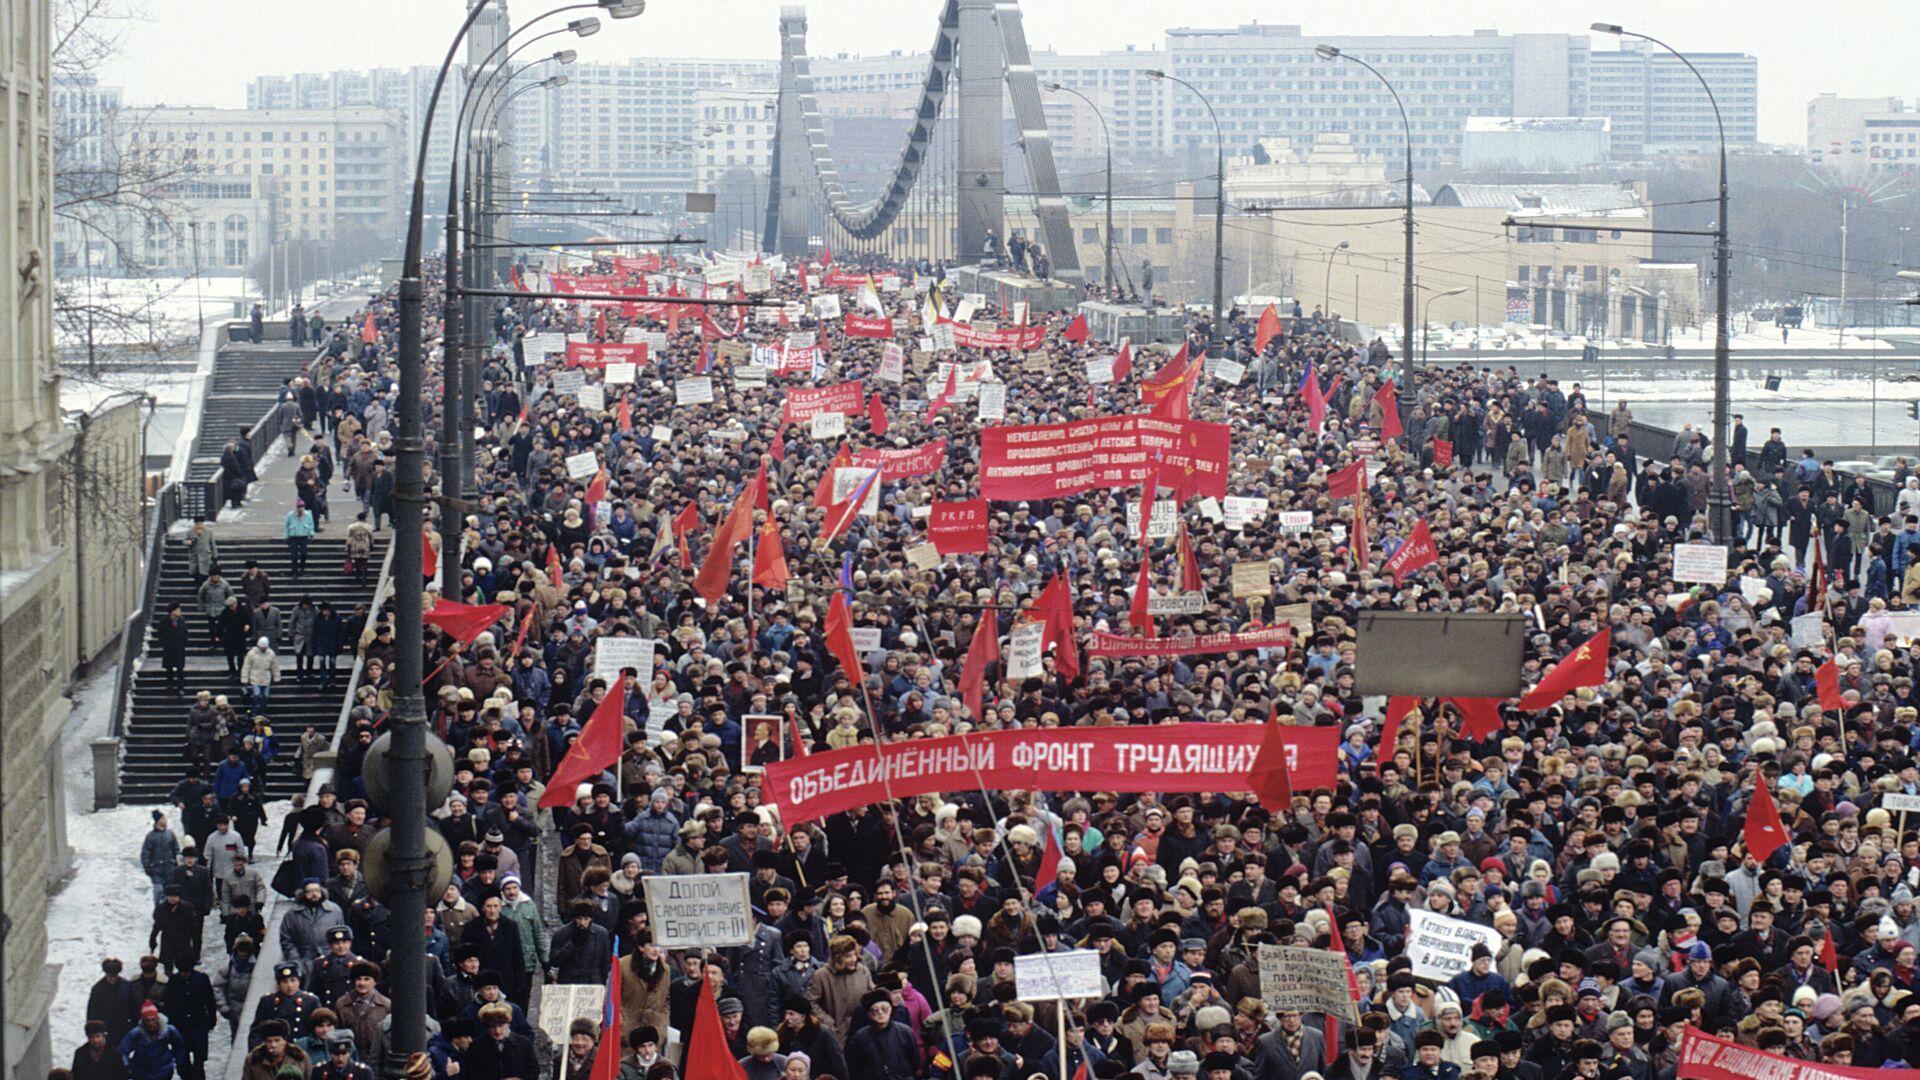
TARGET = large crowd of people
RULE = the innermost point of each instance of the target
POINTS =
(1598, 838)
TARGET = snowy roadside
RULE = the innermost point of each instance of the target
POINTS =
(106, 906)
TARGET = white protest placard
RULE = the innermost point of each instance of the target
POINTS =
(1051, 976)
(1441, 947)
(1903, 625)
(1809, 631)
(802, 339)
(963, 312)
(611, 655)
(1704, 564)
(1024, 646)
(1227, 371)
(563, 1003)
(1099, 370)
(699, 911)
(655, 341)
(758, 279)
(924, 345)
(621, 374)
(1295, 979)
(633, 335)
(1296, 521)
(1186, 603)
(536, 347)
(748, 375)
(923, 556)
(1019, 313)
(828, 425)
(593, 398)
(725, 273)
(568, 383)
(658, 714)
(582, 465)
(1253, 578)
(1244, 510)
(826, 306)
(941, 337)
(893, 363)
(1209, 508)
(1899, 803)
(993, 402)
(661, 433)
(766, 356)
(1751, 587)
(866, 639)
(695, 390)
(1164, 523)
(847, 480)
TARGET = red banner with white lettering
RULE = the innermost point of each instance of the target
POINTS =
(901, 464)
(1703, 1057)
(1267, 637)
(642, 264)
(806, 402)
(602, 353)
(1007, 337)
(834, 279)
(959, 528)
(1043, 461)
(867, 326)
(1168, 757)
(798, 361)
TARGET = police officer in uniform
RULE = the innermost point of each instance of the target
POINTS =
(288, 1003)
(332, 974)
(342, 1062)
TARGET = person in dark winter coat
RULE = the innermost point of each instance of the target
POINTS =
(190, 1006)
(883, 1050)
(114, 1002)
(499, 1053)
(498, 941)
(159, 854)
(582, 951)
(174, 633)
(176, 930)
(96, 1059)
(654, 832)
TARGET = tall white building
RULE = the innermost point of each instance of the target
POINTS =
(1657, 106)
(404, 91)
(1873, 133)
(631, 129)
(1265, 80)
(86, 122)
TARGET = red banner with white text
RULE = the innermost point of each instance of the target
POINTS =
(959, 528)
(806, 402)
(867, 326)
(1167, 758)
(901, 464)
(1007, 337)
(1268, 637)
(602, 353)
(1043, 461)
(1703, 1057)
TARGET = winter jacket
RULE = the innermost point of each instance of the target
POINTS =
(159, 854)
(261, 1067)
(260, 668)
(653, 837)
(364, 1016)
(303, 932)
(644, 1002)
(213, 597)
(752, 969)
(533, 931)
(203, 553)
(230, 989)
(582, 957)
(153, 1055)
(887, 1053)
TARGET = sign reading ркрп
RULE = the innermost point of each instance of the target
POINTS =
(690, 911)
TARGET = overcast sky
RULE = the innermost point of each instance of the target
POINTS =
(202, 52)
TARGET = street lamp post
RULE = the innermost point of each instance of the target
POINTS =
(1407, 388)
(1106, 140)
(1219, 336)
(1427, 317)
(1326, 291)
(1719, 504)
(409, 864)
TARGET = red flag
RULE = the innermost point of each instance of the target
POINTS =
(687, 521)
(600, 325)
(1586, 667)
(717, 570)
(1267, 330)
(554, 568)
(1362, 548)
(1829, 956)
(708, 1057)
(597, 748)
(1138, 614)
(429, 558)
(778, 451)
(526, 623)
(1316, 401)
(597, 487)
(1077, 330)
(368, 334)
(1123, 360)
(1348, 482)
(770, 558)
(1479, 716)
(1339, 945)
(1269, 778)
(1817, 576)
(946, 392)
(1397, 709)
(1442, 452)
(799, 743)
(876, 414)
(1764, 832)
(1189, 566)
(841, 515)
(823, 491)
(1389, 403)
(464, 622)
(1826, 679)
(1049, 871)
(624, 413)
(840, 637)
(1054, 606)
(606, 1059)
(803, 288)
(826, 256)
(984, 649)
(1416, 552)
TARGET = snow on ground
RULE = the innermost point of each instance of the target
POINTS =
(106, 906)
(1760, 337)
